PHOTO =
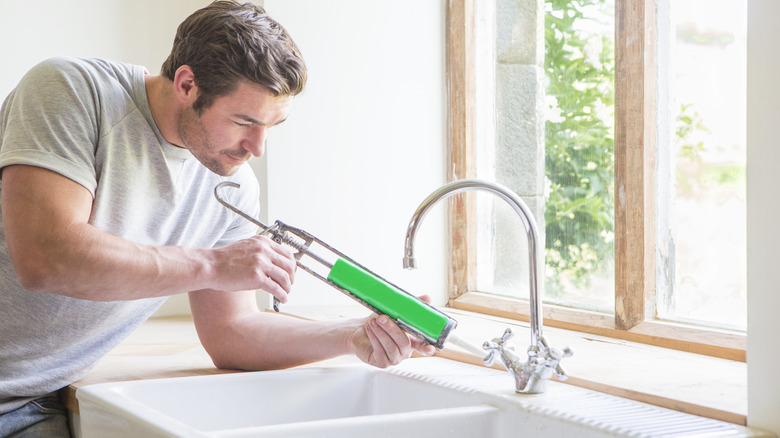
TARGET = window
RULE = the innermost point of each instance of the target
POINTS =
(592, 128)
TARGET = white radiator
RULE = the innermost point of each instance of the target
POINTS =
(564, 410)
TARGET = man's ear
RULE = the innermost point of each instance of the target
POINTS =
(184, 85)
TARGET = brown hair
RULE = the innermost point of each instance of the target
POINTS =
(226, 42)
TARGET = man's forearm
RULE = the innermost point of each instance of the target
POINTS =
(97, 266)
(256, 340)
(238, 336)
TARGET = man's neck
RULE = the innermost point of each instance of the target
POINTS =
(163, 107)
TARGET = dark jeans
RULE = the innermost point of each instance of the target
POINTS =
(44, 417)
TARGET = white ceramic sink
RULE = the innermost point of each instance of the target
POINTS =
(424, 397)
(335, 401)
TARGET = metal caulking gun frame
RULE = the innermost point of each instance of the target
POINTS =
(364, 286)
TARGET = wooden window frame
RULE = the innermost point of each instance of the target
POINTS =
(635, 151)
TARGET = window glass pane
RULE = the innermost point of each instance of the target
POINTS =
(702, 249)
(579, 140)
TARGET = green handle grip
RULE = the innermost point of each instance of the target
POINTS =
(410, 312)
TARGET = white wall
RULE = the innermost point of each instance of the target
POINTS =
(365, 142)
(763, 214)
(139, 32)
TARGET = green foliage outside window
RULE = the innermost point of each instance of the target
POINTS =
(579, 141)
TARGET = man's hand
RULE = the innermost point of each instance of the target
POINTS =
(256, 263)
(381, 343)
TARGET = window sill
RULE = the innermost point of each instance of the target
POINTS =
(687, 382)
(720, 343)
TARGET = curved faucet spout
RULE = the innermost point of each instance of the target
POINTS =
(528, 222)
(531, 376)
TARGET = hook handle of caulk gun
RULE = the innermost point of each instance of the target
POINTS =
(265, 229)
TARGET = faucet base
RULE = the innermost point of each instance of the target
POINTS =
(531, 376)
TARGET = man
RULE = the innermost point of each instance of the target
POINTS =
(107, 208)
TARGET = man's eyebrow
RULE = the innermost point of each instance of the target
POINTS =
(255, 121)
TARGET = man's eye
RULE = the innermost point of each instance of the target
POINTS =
(243, 125)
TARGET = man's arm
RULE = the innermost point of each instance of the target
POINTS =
(54, 249)
(237, 335)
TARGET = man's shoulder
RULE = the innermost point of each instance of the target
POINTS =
(89, 66)
(91, 73)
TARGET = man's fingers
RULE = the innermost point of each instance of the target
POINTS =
(393, 344)
(281, 256)
(282, 266)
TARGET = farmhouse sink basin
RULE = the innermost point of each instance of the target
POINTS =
(422, 397)
(354, 400)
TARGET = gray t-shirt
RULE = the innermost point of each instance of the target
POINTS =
(90, 121)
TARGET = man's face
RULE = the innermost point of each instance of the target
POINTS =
(234, 128)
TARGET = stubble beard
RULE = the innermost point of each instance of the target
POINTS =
(195, 138)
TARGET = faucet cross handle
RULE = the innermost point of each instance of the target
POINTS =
(552, 358)
(499, 346)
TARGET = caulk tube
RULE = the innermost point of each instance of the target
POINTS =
(409, 312)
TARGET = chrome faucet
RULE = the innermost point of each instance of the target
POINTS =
(532, 375)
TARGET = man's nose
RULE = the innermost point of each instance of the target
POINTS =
(255, 141)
